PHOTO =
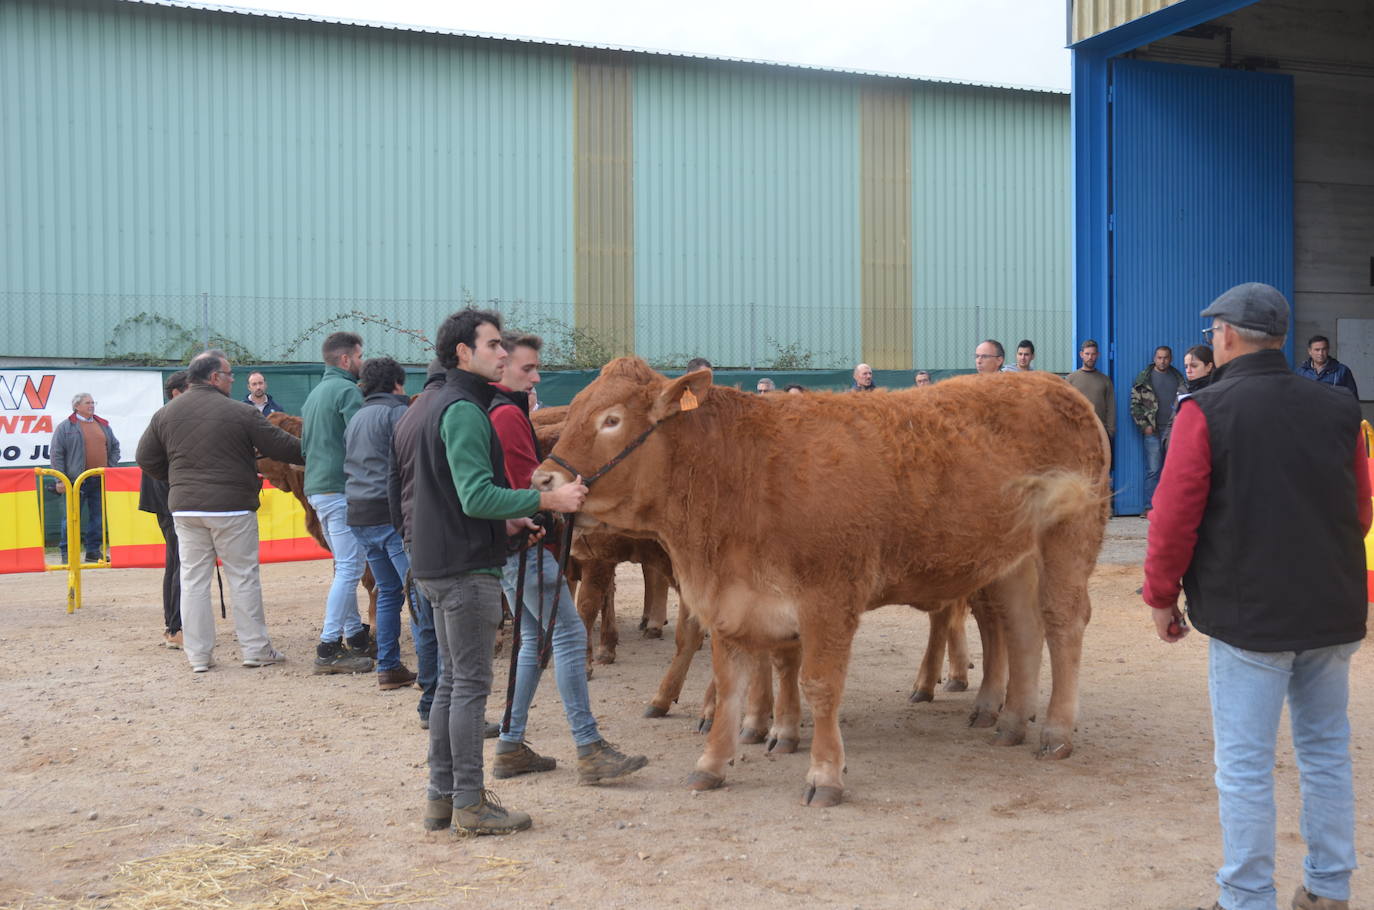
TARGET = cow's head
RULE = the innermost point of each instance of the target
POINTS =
(627, 400)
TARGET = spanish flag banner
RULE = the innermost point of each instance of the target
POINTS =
(136, 540)
(21, 528)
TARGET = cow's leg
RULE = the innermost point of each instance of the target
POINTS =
(785, 734)
(370, 586)
(655, 603)
(1018, 597)
(610, 635)
(588, 599)
(708, 700)
(688, 638)
(993, 688)
(956, 639)
(758, 699)
(923, 689)
(730, 670)
(826, 643)
(1065, 609)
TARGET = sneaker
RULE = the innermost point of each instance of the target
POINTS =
(1306, 900)
(273, 656)
(488, 817)
(201, 665)
(520, 760)
(333, 657)
(396, 678)
(172, 640)
(603, 762)
(363, 642)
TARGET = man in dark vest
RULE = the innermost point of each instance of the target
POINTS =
(152, 497)
(1261, 513)
(465, 505)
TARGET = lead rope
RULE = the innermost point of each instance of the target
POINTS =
(546, 642)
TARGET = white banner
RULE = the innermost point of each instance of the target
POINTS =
(34, 402)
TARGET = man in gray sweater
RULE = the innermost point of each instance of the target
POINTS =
(1095, 386)
(367, 469)
(204, 444)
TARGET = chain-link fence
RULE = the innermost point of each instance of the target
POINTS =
(169, 328)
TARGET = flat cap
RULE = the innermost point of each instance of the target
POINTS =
(1253, 305)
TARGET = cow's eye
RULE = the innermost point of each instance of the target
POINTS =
(610, 421)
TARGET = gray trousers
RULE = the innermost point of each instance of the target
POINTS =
(467, 612)
(234, 539)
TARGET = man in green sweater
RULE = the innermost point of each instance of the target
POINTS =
(344, 639)
(464, 504)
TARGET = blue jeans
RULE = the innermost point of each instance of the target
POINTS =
(569, 648)
(426, 645)
(1154, 463)
(1248, 689)
(341, 618)
(91, 528)
(381, 545)
(467, 612)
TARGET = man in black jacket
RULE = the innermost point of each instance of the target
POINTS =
(204, 444)
(152, 497)
(1261, 513)
(465, 505)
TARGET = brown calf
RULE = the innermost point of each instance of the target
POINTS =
(787, 517)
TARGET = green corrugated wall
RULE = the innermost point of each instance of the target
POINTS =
(295, 171)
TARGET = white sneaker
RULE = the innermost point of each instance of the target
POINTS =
(202, 666)
(273, 656)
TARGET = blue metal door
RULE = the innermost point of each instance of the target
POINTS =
(1202, 199)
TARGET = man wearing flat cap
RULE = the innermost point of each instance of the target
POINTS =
(1260, 517)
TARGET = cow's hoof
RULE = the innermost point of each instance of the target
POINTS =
(605, 657)
(704, 725)
(1053, 751)
(704, 780)
(1008, 737)
(777, 745)
(643, 623)
(956, 685)
(919, 695)
(822, 797)
(982, 717)
(653, 632)
(655, 711)
(751, 736)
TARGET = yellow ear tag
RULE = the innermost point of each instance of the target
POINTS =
(688, 401)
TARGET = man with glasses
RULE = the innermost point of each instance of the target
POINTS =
(989, 357)
(204, 444)
(1283, 601)
(81, 442)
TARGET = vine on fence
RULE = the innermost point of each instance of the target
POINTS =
(176, 344)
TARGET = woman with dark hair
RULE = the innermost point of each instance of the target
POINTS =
(1197, 370)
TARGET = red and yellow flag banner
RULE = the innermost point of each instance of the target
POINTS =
(1369, 538)
(21, 525)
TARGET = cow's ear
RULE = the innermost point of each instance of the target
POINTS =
(685, 393)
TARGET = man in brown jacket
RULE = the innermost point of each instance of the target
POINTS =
(204, 444)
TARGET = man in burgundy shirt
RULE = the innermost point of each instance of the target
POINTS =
(1260, 517)
(597, 760)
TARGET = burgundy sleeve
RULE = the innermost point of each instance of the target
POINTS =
(517, 442)
(1362, 484)
(1179, 503)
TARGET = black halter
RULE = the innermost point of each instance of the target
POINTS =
(600, 472)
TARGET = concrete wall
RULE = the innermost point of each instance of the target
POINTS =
(1327, 46)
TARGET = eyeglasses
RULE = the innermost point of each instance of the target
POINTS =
(1207, 333)
(228, 373)
(986, 356)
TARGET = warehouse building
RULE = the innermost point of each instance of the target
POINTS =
(178, 172)
(1215, 142)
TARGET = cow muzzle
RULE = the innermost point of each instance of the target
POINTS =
(545, 481)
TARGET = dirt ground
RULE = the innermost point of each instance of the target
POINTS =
(114, 752)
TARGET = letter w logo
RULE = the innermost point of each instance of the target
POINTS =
(34, 396)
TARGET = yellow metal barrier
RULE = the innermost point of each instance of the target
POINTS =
(72, 502)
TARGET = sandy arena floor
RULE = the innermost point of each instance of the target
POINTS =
(274, 787)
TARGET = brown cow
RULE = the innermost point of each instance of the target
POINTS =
(786, 517)
(291, 479)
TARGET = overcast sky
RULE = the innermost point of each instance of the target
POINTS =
(1017, 42)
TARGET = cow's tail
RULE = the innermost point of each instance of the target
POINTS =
(1054, 497)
